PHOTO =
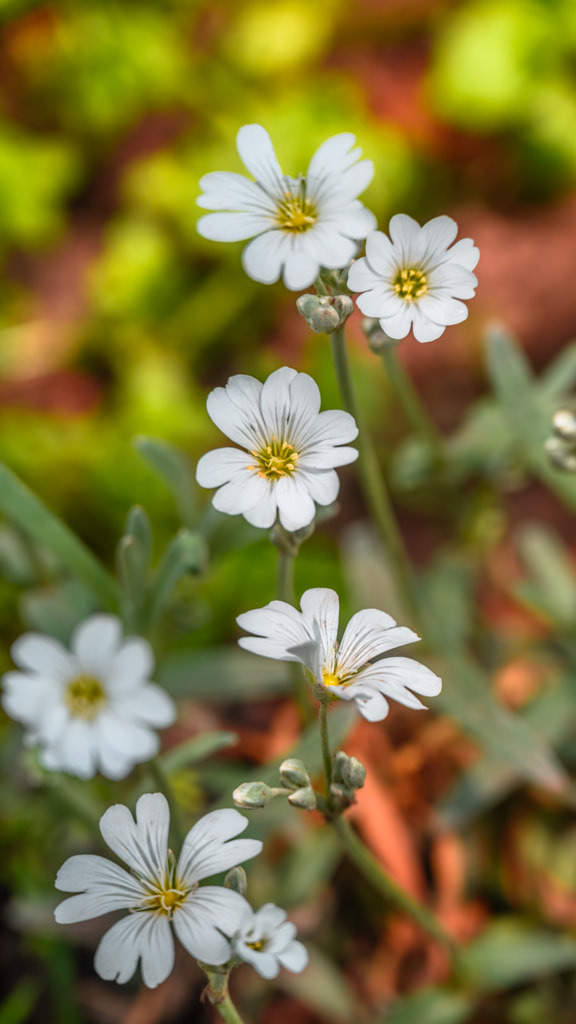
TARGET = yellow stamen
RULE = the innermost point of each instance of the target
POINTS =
(165, 902)
(275, 460)
(85, 697)
(331, 679)
(410, 284)
(296, 213)
(258, 946)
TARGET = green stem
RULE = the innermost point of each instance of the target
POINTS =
(162, 781)
(326, 755)
(285, 575)
(398, 897)
(374, 486)
(410, 400)
(219, 996)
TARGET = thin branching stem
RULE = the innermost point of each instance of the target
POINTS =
(219, 996)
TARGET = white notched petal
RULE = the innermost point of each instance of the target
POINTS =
(295, 957)
(405, 232)
(425, 329)
(217, 467)
(301, 265)
(379, 302)
(361, 276)
(233, 227)
(463, 252)
(321, 608)
(323, 487)
(265, 964)
(406, 672)
(368, 634)
(145, 937)
(275, 399)
(381, 256)
(42, 655)
(224, 190)
(131, 666)
(264, 257)
(149, 705)
(95, 641)
(295, 506)
(263, 512)
(141, 844)
(103, 885)
(77, 748)
(130, 738)
(398, 326)
(210, 847)
(370, 703)
(437, 234)
(207, 914)
(26, 697)
(258, 156)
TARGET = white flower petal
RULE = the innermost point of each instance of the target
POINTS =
(262, 513)
(398, 326)
(230, 409)
(131, 666)
(295, 506)
(241, 494)
(405, 232)
(332, 427)
(145, 937)
(437, 234)
(207, 848)
(77, 748)
(370, 703)
(149, 705)
(295, 957)
(424, 329)
(328, 246)
(208, 913)
(104, 886)
(442, 311)
(353, 220)
(323, 487)
(405, 672)
(141, 844)
(275, 399)
(465, 253)
(281, 628)
(26, 697)
(321, 607)
(361, 276)
(451, 279)
(232, 227)
(217, 467)
(224, 190)
(301, 264)
(264, 257)
(334, 171)
(95, 641)
(380, 302)
(381, 255)
(265, 964)
(42, 654)
(258, 156)
(369, 634)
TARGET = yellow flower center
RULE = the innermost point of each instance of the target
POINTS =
(410, 284)
(85, 697)
(258, 946)
(331, 679)
(275, 460)
(296, 213)
(165, 902)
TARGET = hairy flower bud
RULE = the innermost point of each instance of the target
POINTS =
(565, 425)
(304, 798)
(375, 336)
(252, 794)
(326, 313)
(237, 881)
(294, 774)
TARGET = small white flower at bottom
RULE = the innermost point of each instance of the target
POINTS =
(92, 708)
(266, 940)
(413, 279)
(158, 892)
(353, 669)
(289, 449)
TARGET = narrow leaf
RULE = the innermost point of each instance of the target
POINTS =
(196, 749)
(185, 554)
(173, 467)
(21, 505)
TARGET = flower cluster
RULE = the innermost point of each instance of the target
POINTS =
(213, 923)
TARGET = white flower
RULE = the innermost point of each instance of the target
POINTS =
(266, 940)
(344, 669)
(92, 708)
(292, 449)
(415, 279)
(157, 890)
(299, 225)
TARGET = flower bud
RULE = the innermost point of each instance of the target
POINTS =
(325, 313)
(236, 880)
(304, 798)
(377, 339)
(252, 794)
(354, 775)
(565, 425)
(341, 796)
(294, 774)
(561, 454)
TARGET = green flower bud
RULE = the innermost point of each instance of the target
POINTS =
(294, 774)
(325, 313)
(236, 880)
(342, 797)
(252, 794)
(304, 798)
(375, 336)
(561, 454)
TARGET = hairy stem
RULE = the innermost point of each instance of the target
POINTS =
(411, 403)
(217, 992)
(326, 755)
(393, 893)
(373, 484)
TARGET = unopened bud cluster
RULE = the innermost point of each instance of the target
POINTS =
(375, 336)
(296, 786)
(325, 313)
(348, 775)
(561, 448)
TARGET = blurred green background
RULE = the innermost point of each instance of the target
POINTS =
(116, 318)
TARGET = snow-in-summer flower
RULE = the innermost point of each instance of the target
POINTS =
(266, 940)
(298, 225)
(92, 708)
(290, 449)
(347, 669)
(159, 892)
(416, 278)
